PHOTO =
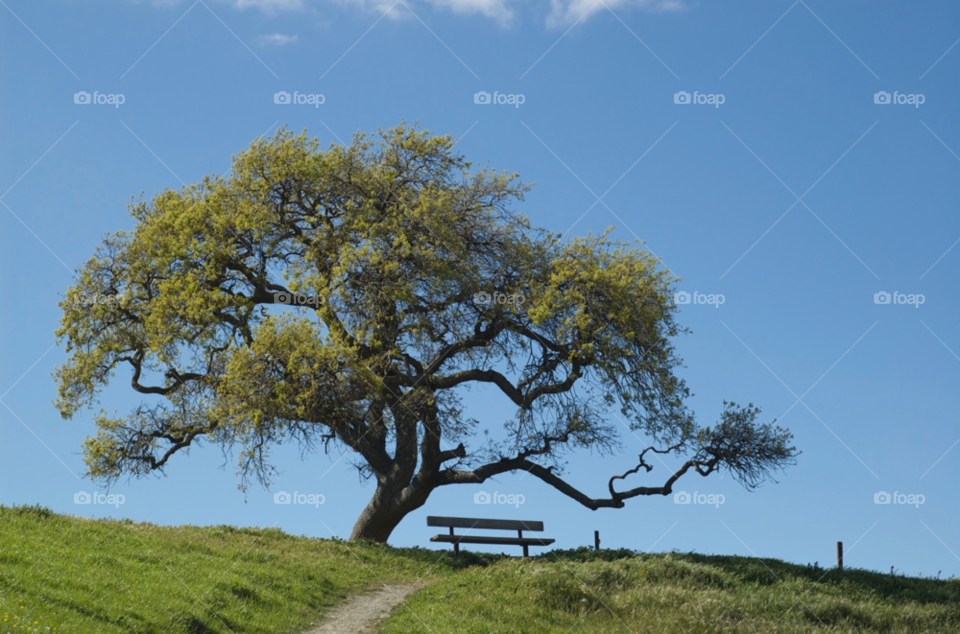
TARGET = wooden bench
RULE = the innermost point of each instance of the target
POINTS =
(472, 523)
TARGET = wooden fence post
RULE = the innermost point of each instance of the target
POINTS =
(596, 540)
(839, 555)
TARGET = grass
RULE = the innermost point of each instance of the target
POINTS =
(622, 591)
(64, 574)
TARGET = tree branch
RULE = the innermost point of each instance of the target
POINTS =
(616, 499)
(483, 376)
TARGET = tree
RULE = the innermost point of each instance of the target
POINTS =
(345, 298)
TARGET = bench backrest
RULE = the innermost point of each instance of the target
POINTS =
(470, 522)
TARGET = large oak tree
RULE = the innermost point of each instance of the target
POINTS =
(416, 280)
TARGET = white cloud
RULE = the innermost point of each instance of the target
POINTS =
(562, 13)
(567, 12)
(277, 39)
(496, 9)
(269, 6)
(393, 9)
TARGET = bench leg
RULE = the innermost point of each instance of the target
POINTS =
(526, 550)
(456, 549)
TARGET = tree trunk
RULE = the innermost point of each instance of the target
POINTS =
(384, 512)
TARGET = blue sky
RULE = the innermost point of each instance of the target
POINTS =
(799, 198)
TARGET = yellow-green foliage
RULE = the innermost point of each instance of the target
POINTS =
(391, 238)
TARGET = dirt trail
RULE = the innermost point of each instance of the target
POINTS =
(361, 613)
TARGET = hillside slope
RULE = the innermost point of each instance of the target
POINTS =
(74, 575)
(610, 591)
(64, 574)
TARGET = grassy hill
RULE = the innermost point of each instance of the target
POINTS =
(64, 574)
(583, 591)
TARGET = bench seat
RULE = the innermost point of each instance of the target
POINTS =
(473, 523)
(480, 539)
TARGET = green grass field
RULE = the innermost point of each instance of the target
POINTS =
(64, 574)
(583, 591)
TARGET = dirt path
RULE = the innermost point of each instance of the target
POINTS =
(360, 614)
